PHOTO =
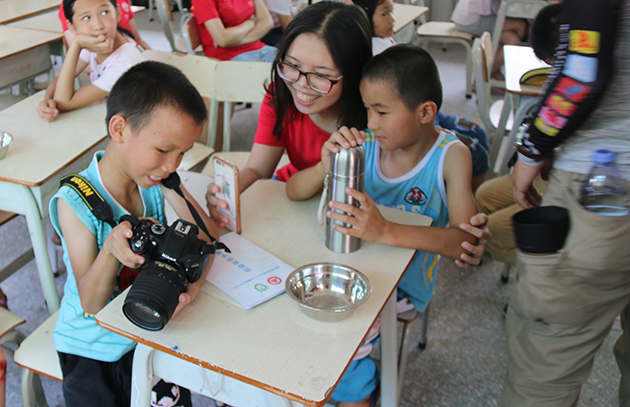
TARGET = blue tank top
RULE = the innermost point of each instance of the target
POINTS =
(77, 332)
(421, 190)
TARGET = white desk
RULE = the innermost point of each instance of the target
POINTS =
(518, 60)
(407, 13)
(273, 346)
(43, 22)
(41, 153)
(24, 53)
(11, 10)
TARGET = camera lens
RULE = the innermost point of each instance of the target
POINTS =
(154, 295)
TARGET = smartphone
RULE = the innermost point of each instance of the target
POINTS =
(226, 178)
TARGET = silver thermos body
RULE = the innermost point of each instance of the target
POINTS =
(347, 169)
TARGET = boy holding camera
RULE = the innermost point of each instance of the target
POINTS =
(154, 115)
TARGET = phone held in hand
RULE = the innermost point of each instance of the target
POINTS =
(226, 178)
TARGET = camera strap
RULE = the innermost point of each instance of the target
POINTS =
(97, 204)
(173, 182)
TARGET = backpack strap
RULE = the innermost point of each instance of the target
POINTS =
(97, 204)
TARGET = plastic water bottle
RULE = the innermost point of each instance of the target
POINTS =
(604, 192)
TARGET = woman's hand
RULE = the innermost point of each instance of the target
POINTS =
(346, 138)
(213, 203)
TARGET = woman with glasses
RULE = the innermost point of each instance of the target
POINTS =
(314, 91)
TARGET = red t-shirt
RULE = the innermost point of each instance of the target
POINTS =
(124, 8)
(302, 139)
(231, 13)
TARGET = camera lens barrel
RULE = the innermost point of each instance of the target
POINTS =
(154, 295)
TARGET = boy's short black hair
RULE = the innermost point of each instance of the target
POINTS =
(546, 31)
(149, 85)
(411, 70)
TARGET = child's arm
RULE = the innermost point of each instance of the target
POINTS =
(65, 96)
(182, 211)
(95, 271)
(306, 183)
(369, 224)
(47, 108)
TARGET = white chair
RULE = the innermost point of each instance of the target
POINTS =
(37, 356)
(190, 34)
(165, 14)
(489, 110)
(445, 32)
(235, 81)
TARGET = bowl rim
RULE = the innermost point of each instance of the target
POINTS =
(338, 309)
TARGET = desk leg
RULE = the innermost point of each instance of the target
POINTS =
(19, 199)
(495, 146)
(389, 356)
(142, 376)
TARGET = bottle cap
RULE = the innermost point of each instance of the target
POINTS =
(604, 157)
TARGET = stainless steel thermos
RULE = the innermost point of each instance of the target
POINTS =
(347, 169)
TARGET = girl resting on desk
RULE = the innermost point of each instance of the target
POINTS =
(125, 22)
(97, 44)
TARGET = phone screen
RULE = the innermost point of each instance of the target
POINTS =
(226, 178)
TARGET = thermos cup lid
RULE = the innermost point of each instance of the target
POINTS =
(348, 162)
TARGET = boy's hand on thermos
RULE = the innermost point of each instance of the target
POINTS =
(478, 227)
(366, 220)
(346, 138)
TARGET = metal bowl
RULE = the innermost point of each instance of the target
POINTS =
(327, 291)
(5, 140)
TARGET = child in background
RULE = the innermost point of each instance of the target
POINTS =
(125, 22)
(381, 16)
(154, 115)
(410, 165)
(94, 24)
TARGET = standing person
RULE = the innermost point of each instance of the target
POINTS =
(99, 45)
(564, 304)
(478, 16)
(125, 22)
(232, 29)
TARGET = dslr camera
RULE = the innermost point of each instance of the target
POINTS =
(175, 257)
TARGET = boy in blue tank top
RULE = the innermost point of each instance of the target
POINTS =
(154, 115)
(410, 165)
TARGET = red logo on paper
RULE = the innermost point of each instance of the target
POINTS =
(274, 280)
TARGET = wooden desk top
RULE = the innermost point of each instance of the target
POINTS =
(41, 149)
(43, 22)
(406, 13)
(275, 346)
(14, 40)
(518, 60)
(11, 10)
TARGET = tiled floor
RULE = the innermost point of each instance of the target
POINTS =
(465, 360)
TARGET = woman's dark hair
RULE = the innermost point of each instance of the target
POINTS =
(68, 11)
(346, 32)
(369, 6)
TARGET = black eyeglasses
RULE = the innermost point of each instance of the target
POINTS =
(316, 81)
